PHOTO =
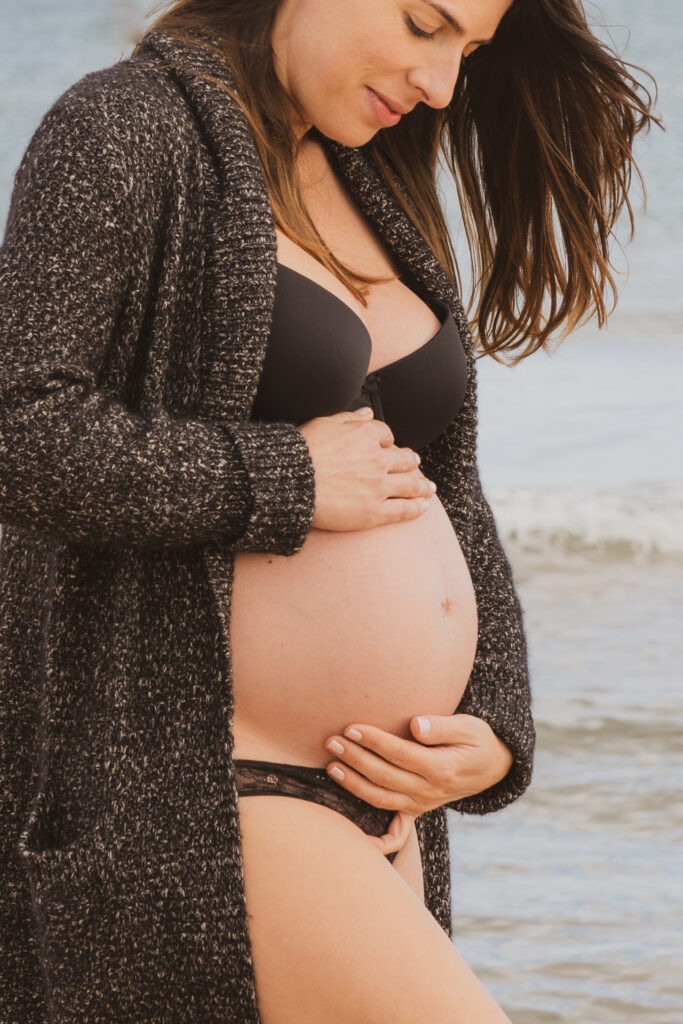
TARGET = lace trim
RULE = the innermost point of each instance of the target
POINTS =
(256, 778)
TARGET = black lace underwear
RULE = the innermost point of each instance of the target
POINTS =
(257, 778)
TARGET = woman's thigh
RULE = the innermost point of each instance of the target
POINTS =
(338, 936)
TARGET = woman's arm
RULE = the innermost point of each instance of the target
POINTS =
(74, 461)
(498, 690)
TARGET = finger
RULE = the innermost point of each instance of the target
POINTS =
(398, 834)
(348, 415)
(436, 729)
(386, 437)
(387, 799)
(402, 460)
(409, 754)
(375, 768)
(387, 842)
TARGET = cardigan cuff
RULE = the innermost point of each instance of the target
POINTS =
(278, 463)
(521, 741)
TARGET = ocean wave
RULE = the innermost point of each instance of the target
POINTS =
(607, 734)
(639, 521)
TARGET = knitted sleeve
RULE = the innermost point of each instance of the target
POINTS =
(75, 462)
(498, 689)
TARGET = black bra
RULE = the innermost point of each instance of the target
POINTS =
(318, 355)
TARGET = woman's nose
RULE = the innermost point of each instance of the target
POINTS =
(437, 83)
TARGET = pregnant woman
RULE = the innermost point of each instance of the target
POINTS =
(258, 629)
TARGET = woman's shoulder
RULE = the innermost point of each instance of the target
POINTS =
(121, 138)
(130, 112)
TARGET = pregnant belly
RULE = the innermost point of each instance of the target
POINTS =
(370, 626)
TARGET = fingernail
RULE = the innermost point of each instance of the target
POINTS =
(336, 746)
(424, 725)
(353, 734)
(337, 772)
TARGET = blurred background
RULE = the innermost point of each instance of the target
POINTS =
(569, 903)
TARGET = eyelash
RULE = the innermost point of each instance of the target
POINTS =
(418, 31)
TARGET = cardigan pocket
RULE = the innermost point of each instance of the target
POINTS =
(81, 914)
(132, 929)
(36, 845)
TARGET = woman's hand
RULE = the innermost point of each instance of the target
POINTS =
(362, 479)
(460, 755)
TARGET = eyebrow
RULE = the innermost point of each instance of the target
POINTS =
(454, 23)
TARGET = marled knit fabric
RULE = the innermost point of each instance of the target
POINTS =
(137, 281)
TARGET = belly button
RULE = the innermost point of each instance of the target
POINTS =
(446, 604)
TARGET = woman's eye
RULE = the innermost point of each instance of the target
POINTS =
(418, 31)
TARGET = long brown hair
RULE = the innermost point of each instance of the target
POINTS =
(538, 137)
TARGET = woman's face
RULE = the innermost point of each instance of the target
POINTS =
(330, 55)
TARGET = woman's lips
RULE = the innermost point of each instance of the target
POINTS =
(384, 114)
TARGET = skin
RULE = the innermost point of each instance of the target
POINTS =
(327, 53)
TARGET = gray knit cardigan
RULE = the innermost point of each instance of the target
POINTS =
(137, 281)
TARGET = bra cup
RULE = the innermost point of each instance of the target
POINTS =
(317, 363)
(318, 353)
(420, 397)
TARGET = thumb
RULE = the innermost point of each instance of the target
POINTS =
(364, 412)
(431, 728)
